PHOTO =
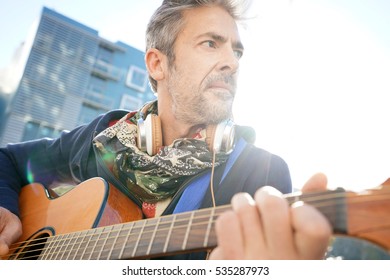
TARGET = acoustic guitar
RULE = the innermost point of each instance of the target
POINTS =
(96, 221)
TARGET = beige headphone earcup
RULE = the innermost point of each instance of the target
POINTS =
(210, 136)
(149, 134)
(155, 142)
(220, 138)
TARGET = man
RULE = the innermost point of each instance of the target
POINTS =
(192, 56)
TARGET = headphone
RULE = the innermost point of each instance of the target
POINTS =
(219, 137)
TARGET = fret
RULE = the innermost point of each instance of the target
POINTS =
(57, 247)
(78, 255)
(92, 239)
(86, 250)
(100, 242)
(72, 248)
(129, 233)
(116, 241)
(161, 235)
(210, 223)
(169, 233)
(153, 237)
(146, 237)
(138, 230)
(69, 240)
(212, 239)
(178, 232)
(201, 230)
(103, 239)
(183, 247)
(110, 242)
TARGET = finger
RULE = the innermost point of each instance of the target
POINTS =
(216, 254)
(275, 215)
(251, 226)
(312, 231)
(318, 182)
(229, 236)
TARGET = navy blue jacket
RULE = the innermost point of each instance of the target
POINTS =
(71, 158)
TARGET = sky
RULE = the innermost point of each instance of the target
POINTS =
(314, 79)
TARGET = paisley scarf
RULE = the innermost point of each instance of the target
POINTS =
(153, 178)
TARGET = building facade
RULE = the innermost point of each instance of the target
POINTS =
(71, 75)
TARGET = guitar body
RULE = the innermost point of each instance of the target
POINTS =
(93, 203)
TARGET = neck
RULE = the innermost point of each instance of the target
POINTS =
(172, 128)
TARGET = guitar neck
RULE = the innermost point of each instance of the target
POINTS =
(179, 233)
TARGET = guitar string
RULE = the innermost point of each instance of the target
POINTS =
(150, 221)
(129, 237)
(212, 192)
(325, 203)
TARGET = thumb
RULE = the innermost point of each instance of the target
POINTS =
(10, 230)
(318, 182)
(4, 247)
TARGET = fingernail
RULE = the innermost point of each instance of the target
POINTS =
(241, 199)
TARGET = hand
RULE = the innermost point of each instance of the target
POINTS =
(10, 230)
(266, 227)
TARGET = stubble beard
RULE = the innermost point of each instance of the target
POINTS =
(202, 106)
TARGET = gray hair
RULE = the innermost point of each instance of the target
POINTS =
(167, 22)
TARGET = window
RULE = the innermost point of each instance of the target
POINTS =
(130, 103)
(45, 131)
(137, 78)
(30, 131)
(97, 84)
(88, 113)
(35, 130)
(105, 54)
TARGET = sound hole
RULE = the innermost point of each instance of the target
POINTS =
(33, 249)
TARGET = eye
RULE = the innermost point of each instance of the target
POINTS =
(210, 44)
(238, 53)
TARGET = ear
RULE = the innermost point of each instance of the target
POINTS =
(154, 63)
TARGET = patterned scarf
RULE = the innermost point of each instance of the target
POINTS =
(153, 178)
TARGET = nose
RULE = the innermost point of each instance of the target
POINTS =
(229, 61)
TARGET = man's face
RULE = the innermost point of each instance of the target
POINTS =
(202, 80)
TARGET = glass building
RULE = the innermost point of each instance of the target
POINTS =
(70, 76)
